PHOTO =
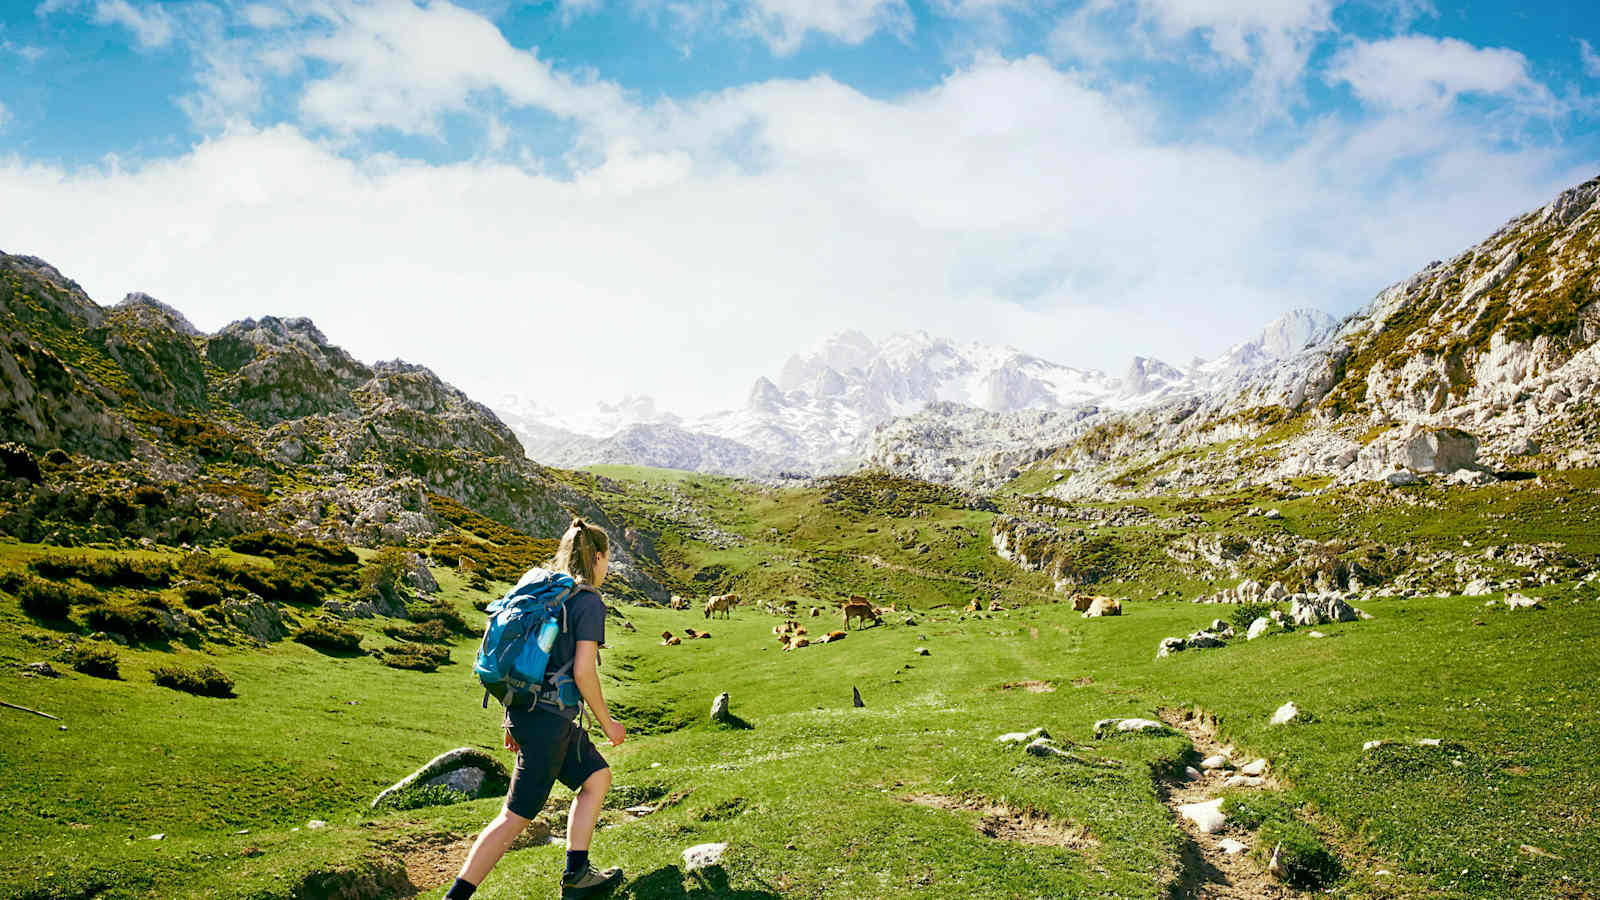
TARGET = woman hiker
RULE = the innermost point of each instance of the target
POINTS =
(550, 746)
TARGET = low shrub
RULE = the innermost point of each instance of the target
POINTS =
(136, 623)
(326, 566)
(437, 610)
(200, 594)
(107, 571)
(204, 681)
(422, 796)
(1307, 863)
(415, 657)
(12, 581)
(326, 635)
(47, 601)
(1245, 614)
(94, 659)
(432, 632)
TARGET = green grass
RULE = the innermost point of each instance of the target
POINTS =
(819, 799)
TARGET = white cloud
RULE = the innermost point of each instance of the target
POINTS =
(1011, 202)
(152, 26)
(1591, 59)
(1270, 39)
(785, 24)
(1416, 71)
(384, 64)
(572, 9)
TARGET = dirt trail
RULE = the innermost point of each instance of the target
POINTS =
(1209, 873)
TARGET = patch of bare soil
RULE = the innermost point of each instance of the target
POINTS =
(1209, 873)
(1020, 826)
(1032, 687)
(433, 860)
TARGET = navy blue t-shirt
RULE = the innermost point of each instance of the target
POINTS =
(585, 621)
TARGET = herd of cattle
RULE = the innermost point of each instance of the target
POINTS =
(792, 635)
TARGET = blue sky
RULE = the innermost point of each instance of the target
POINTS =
(702, 188)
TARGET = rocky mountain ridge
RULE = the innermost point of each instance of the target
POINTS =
(1497, 343)
(818, 417)
(146, 427)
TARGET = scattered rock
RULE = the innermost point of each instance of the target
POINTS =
(315, 824)
(1429, 742)
(1285, 714)
(1231, 847)
(640, 811)
(719, 708)
(1316, 634)
(1207, 816)
(1518, 601)
(1254, 767)
(1315, 610)
(1401, 478)
(465, 770)
(921, 651)
(1258, 628)
(1044, 747)
(1108, 726)
(1192, 774)
(40, 670)
(703, 856)
(157, 837)
(1019, 737)
(1373, 745)
(1215, 761)
(1237, 781)
(1274, 514)
(255, 617)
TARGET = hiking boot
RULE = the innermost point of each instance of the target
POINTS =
(590, 882)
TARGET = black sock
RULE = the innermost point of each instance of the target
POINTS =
(461, 890)
(577, 860)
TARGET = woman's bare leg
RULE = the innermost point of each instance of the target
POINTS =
(492, 844)
(585, 810)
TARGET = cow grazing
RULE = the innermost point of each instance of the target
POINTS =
(860, 611)
(722, 604)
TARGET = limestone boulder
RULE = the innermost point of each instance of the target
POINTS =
(465, 770)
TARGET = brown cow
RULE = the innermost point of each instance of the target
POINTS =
(994, 606)
(862, 611)
(668, 639)
(1082, 602)
(1103, 606)
(797, 643)
(722, 604)
(831, 636)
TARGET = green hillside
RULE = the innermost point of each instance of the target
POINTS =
(910, 795)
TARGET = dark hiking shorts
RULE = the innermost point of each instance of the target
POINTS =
(553, 749)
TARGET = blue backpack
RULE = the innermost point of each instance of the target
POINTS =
(516, 644)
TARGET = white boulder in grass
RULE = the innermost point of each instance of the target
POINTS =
(1215, 761)
(1022, 737)
(1373, 745)
(703, 856)
(1285, 714)
(1244, 781)
(1255, 767)
(1231, 846)
(1258, 628)
(1206, 816)
(1105, 726)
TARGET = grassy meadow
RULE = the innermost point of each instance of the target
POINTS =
(910, 796)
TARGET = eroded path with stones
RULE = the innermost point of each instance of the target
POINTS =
(1210, 872)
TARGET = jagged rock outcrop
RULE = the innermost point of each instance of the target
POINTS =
(178, 436)
(1495, 347)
